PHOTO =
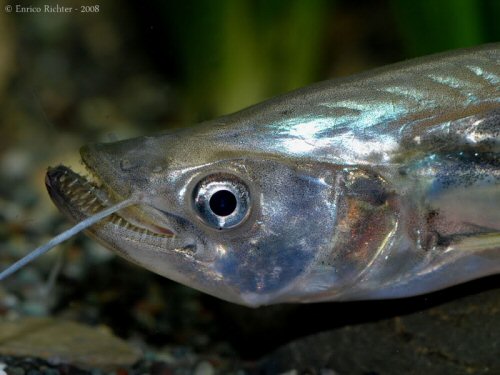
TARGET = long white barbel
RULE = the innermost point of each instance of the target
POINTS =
(66, 235)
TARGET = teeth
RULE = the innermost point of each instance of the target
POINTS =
(88, 198)
(92, 201)
(73, 182)
(85, 195)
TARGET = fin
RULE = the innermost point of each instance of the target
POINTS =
(464, 188)
(477, 206)
(487, 241)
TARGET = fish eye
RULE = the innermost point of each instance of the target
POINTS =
(221, 201)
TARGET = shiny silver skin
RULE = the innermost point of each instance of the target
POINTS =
(380, 185)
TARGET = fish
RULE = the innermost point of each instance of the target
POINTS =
(384, 184)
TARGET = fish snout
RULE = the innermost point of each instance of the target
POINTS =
(122, 166)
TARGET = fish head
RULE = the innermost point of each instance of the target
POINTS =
(247, 227)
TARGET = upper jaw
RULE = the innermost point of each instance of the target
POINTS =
(79, 198)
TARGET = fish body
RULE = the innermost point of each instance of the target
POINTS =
(380, 185)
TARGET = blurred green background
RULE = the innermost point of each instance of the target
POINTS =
(143, 67)
(123, 69)
(133, 68)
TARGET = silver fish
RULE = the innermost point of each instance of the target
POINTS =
(381, 185)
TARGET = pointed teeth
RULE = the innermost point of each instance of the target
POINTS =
(86, 197)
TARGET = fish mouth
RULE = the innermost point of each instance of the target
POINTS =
(80, 197)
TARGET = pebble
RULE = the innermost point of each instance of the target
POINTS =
(15, 162)
(72, 343)
(204, 368)
(16, 371)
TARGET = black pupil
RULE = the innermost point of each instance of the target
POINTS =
(223, 203)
